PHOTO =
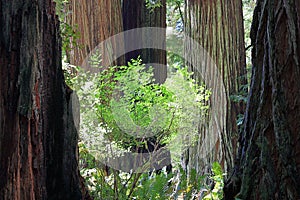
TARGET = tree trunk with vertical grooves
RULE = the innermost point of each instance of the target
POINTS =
(38, 139)
(96, 21)
(137, 15)
(269, 164)
(217, 25)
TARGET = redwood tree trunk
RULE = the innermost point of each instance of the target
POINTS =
(96, 21)
(137, 15)
(38, 139)
(217, 25)
(269, 166)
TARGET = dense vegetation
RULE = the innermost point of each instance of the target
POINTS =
(192, 100)
(107, 117)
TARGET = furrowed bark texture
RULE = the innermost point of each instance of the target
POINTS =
(96, 21)
(137, 15)
(217, 25)
(269, 165)
(38, 140)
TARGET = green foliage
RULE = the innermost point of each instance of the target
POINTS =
(68, 33)
(140, 95)
(157, 186)
(217, 192)
(190, 185)
(119, 185)
(177, 100)
(95, 177)
(149, 186)
(152, 4)
(100, 101)
(174, 12)
(124, 99)
(136, 108)
(70, 73)
(240, 97)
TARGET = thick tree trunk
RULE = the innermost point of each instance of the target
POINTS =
(217, 25)
(96, 21)
(269, 166)
(137, 15)
(38, 140)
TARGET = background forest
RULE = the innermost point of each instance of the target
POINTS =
(149, 99)
(99, 126)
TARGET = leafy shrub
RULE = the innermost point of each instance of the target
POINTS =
(120, 98)
(150, 186)
(124, 99)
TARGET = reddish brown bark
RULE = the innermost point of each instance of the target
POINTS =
(269, 165)
(217, 25)
(38, 139)
(96, 21)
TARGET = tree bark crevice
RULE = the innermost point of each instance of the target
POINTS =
(38, 139)
(269, 143)
(217, 26)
